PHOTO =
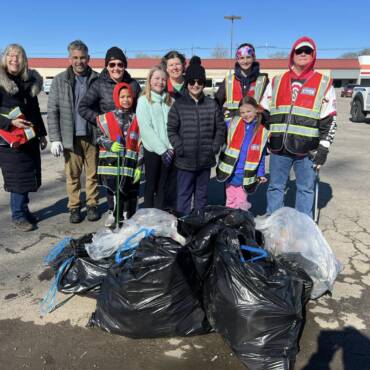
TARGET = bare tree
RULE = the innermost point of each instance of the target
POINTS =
(219, 52)
(355, 54)
(143, 55)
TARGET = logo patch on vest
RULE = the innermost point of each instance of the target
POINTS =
(308, 91)
(255, 147)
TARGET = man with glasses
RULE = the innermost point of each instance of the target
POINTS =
(70, 133)
(302, 127)
(196, 130)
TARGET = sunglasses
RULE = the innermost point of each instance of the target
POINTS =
(113, 64)
(198, 82)
(306, 50)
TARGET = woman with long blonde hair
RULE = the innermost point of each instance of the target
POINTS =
(22, 133)
(152, 112)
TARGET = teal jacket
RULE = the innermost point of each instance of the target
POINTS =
(152, 119)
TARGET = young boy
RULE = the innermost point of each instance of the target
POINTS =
(119, 155)
(196, 130)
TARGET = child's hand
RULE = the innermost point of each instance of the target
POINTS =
(116, 147)
(262, 179)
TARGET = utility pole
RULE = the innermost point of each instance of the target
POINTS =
(232, 18)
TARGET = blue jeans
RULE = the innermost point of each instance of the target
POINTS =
(191, 183)
(280, 166)
(19, 206)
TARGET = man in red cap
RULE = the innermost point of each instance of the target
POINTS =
(302, 126)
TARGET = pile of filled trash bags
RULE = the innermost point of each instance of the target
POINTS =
(216, 269)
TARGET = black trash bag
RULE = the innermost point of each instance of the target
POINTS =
(256, 306)
(297, 271)
(83, 275)
(204, 225)
(219, 215)
(156, 293)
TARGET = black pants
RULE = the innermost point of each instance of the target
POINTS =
(127, 202)
(189, 183)
(160, 183)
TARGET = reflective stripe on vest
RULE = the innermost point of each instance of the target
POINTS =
(104, 124)
(294, 129)
(131, 154)
(30, 133)
(107, 154)
(230, 102)
(293, 109)
(112, 171)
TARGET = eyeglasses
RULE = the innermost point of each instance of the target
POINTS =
(198, 82)
(305, 49)
(113, 64)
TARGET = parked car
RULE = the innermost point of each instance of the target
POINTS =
(360, 103)
(347, 90)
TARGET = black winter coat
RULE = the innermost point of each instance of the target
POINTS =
(197, 131)
(99, 96)
(21, 168)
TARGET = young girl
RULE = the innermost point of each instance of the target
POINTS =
(120, 139)
(152, 111)
(244, 80)
(242, 163)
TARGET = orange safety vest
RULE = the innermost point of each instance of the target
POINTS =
(295, 124)
(17, 136)
(108, 160)
(234, 90)
(229, 157)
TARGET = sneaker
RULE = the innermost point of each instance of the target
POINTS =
(23, 225)
(75, 216)
(110, 221)
(92, 213)
(32, 218)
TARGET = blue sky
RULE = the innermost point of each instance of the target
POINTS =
(44, 28)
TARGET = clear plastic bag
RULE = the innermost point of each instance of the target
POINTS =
(295, 235)
(106, 242)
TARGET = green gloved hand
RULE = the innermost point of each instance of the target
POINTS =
(116, 147)
(137, 175)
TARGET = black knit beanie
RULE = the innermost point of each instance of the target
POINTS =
(195, 71)
(115, 53)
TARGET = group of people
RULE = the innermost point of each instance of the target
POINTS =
(171, 133)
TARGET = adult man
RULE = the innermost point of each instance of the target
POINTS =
(71, 133)
(302, 126)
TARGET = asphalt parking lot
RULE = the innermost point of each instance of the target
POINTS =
(336, 334)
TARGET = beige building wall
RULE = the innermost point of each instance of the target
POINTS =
(217, 74)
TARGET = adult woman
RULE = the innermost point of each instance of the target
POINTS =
(174, 64)
(99, 96)
(152, 111)
(246, 79)
(22, 133)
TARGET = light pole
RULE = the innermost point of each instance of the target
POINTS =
(232, 18)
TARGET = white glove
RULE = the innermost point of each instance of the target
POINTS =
(56, 148)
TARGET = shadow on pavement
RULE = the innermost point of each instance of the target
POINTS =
(354, 345)
(61, 207)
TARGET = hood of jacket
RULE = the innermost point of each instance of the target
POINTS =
(309, 68)
(33, 79)
(117, 90)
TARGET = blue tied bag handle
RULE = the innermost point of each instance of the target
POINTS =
(259, 252)
(129, 244)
